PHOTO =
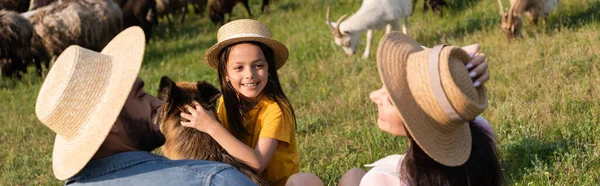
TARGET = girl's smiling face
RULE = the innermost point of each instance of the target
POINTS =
(247, 70)
(388, 116)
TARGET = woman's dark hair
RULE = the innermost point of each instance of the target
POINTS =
(272, 90)
(482, 167)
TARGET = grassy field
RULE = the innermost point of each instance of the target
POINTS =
(544, 97)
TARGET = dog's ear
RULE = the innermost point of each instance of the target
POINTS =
(208, 92)
(165, 89)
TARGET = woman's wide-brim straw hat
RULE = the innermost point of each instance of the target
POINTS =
(434, 94)
(243, 30)
(83, 95)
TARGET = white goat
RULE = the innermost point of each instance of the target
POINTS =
(373, 14)
(511, 20)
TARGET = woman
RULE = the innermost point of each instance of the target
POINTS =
(428, 96)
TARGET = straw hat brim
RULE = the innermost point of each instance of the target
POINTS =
(280, 51)
(448, 148)
(127, 52)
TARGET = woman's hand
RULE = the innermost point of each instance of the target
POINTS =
(477, 66)
(199, 118)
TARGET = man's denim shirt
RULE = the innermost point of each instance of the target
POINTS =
(144, 168)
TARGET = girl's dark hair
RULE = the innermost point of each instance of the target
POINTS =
(272, 90)
(482, 167)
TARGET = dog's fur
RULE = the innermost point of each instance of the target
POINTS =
(188, 143)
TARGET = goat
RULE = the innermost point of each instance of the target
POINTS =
(199, 6)
(511, 22)
(14, 5)
(435, 5)
(140, 13)
(15, 43)
(165, 8)
(373, 14)
(217, 10)
(187, 143)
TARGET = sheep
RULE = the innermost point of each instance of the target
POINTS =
(435, 5)
(15, 44)
(373, 14)
(14, 5)
(35, 4)
(511, 21)
(88, 23)
(186, 143)
(60, 25)
(140, 13)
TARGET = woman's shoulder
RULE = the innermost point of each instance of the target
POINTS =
(384, 171)
(393, 159)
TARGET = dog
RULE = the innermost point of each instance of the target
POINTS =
(188, 143)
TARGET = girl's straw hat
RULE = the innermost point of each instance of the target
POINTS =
(83, 95)
(245, 30)
(434, 94)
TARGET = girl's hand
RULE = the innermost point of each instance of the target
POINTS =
(200, 119)
(477, 66)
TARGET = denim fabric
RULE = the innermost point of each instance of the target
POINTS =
(144, 168)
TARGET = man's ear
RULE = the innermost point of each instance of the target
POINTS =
(165, 89)
(208, 92)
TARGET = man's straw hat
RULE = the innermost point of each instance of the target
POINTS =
(245, 30)
(83, 95)
(434, 94)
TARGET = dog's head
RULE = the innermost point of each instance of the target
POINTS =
(176, 95)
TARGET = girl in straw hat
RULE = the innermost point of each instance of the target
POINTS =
(431, 98)
(257, 122)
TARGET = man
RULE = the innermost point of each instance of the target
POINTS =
(102, 116)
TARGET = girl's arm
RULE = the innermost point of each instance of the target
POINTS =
(257, 158)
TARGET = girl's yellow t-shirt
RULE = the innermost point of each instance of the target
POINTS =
(266, 120)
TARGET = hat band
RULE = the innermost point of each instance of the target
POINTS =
(436, 86)
(243, 35)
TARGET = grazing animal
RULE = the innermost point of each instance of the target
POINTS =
(217, 10)
(87, 23)
(199, 6)
(511, 21)
(188, 143)
(435, 5)
(14, 5)
(164, 8)
(140, 13)
(15, 44)
(373, 14)
(68, 22)
(35, 4)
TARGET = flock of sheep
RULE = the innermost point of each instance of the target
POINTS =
(36, 31)
(379, 14)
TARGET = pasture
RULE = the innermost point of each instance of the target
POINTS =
(544, 96)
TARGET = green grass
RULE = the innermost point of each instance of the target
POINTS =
(544, 98)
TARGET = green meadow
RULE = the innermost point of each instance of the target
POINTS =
(544, 98)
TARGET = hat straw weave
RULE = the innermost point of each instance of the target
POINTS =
(245, 30)
(434, 94)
